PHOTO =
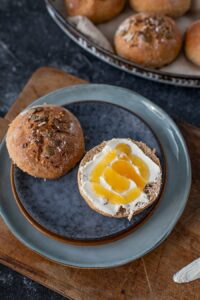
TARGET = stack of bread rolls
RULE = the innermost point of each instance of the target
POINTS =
(150, 37)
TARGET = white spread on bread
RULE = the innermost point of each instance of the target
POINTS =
(103, 204)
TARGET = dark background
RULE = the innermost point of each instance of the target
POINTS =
(29, 38)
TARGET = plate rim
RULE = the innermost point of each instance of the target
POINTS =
(190, 81)
(158, 239)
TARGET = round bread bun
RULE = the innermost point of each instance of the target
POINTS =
(45, 141)
(97, 11)
(192, 43)
(172, 8)
(152, 189)
(149, 40)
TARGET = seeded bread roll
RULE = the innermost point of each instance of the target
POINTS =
(149, 40)
(45, 141)
(97, 11)
(192, 43)
(172, 8)
(152, 189)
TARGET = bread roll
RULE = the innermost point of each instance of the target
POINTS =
(102, 204)
(149, 40)
(192, 43)
(45, 141)
(172, 8)
(97, 11)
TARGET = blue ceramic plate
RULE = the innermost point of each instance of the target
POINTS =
(56, 207)
(113, 112)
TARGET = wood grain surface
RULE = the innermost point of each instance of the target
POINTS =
(147, 278)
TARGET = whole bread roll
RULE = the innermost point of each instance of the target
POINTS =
(45, 141)
(172, 8)
(147, 39)
(97, 11)
(192, 43)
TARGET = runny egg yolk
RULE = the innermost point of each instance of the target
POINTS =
(118, 168)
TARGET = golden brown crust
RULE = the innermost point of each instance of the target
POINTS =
(45, 141)
(148, 39)
(192, 43)
(152, 189)
(166, 7)
(97, 11)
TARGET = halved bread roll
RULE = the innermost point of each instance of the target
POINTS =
(137, 187)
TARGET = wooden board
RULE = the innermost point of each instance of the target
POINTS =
(146, 278)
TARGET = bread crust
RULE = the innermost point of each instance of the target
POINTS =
(45, 141)
(166, 7)
(148, 39)
(97, 11)
(192, 43)
(122, 213)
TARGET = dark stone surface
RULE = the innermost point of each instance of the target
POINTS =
(13, 286)
(30, 39)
